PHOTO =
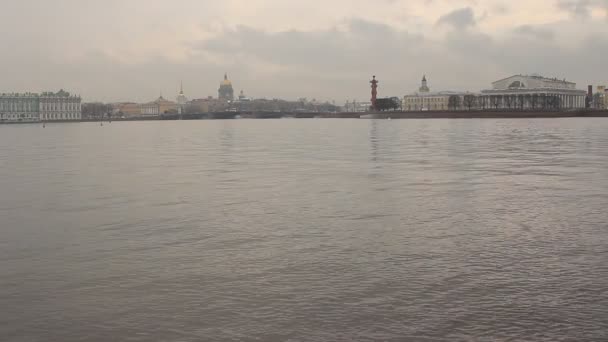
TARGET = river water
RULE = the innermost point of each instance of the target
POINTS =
(305, 230)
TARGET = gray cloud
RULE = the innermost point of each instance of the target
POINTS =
(464, 60)
(581, 9)
(105, 53)
(577, 8)
(459, 19)
(536, 32)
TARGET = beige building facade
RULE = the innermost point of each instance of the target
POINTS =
(159, 107)
(430, 101)
(425, 100)
(128, 110)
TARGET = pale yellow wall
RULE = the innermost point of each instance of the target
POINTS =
(439, 102)
(130, 109)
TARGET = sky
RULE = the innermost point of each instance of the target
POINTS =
(134, 50)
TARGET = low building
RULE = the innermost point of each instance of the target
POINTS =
(357, 107)
(47, 106)
(159, 107)
(436, 101)
(601, 98)
(128, 109)
(533, 92)
(201, 105)
(425, 100)
(208, 105)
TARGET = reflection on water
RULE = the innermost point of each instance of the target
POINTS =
(305, 230)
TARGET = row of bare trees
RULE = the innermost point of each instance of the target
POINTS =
(388, 103)
(96, 110)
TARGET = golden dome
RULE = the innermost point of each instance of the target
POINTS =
(226, 81)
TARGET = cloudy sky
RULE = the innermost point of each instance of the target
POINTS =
(117, 50)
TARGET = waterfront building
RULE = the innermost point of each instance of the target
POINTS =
(356, 107)
(207, 105)
(128, 109)
(243, 98)
(226, 92)
(600, 99)
(47, 106)
(532, 92)
(158, 107)
(425, 100)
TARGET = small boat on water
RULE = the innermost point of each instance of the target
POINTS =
(372, 116)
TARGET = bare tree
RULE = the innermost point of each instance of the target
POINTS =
(470, 101)
(454, 102)
(95, 110)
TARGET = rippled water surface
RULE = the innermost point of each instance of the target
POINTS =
(305, 230)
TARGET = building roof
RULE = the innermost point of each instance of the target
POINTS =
(536, 76)
(440, 93)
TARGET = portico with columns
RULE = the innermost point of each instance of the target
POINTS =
(533, 92)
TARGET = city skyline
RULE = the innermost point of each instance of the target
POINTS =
(130, 51)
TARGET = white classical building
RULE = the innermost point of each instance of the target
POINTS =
(48, 106)
(532, 92)
(425, 100)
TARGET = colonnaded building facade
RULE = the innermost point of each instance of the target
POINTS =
(532, 92)
(47, 106)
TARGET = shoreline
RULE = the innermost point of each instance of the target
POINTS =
(478, 114)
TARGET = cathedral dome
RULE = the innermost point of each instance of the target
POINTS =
(226, 81)
(226, 92)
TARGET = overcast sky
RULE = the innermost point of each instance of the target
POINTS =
(118, 50)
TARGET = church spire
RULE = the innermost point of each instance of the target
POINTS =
(225, 76)
(181, 87)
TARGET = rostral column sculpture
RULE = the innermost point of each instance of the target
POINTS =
(374, 92)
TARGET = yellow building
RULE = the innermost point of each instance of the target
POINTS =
(128, 109)
(159, 107)
(208, 105)
(603, 97)
(425, 100)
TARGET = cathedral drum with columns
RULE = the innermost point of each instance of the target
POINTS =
(533, 92)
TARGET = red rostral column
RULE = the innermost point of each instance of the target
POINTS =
(374, 91)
